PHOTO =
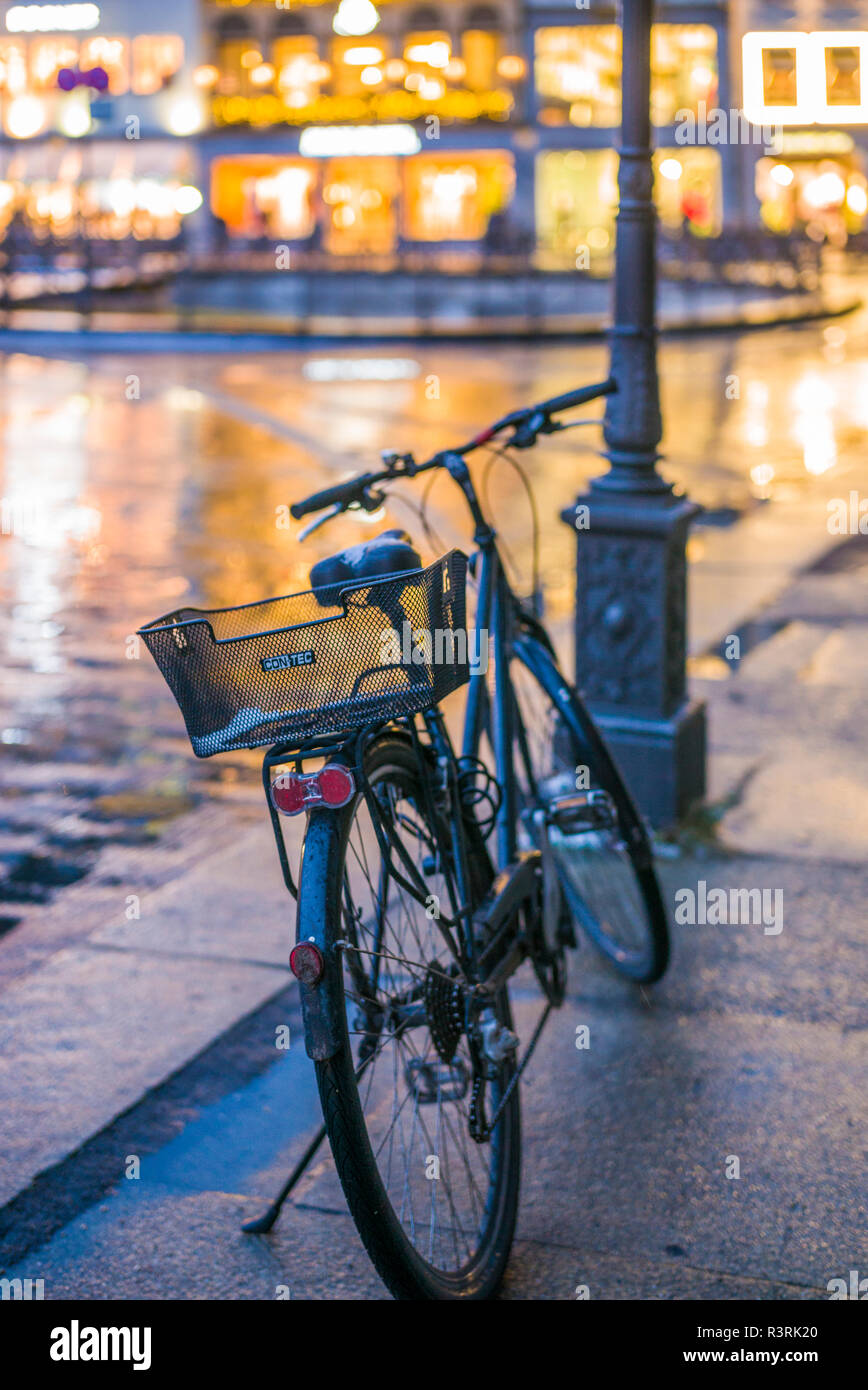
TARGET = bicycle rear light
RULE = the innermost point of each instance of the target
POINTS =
(306, 962)
(293, 792)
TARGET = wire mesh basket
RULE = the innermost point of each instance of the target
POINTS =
(318, 663)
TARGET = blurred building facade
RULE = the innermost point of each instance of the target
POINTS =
(358, 131)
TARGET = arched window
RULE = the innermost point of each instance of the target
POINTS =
(424, 17)
(289, 22)
(483, 17)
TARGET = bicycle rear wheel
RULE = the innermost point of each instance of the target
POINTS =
(435, 1210)
(604, 860)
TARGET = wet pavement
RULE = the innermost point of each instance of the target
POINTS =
(133, 485)
(130, 486)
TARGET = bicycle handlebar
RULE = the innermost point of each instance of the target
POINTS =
(339, 493)
(537, 417)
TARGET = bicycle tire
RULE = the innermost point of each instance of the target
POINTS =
(395, 1252)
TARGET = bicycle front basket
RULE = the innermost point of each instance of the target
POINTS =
(323, 662)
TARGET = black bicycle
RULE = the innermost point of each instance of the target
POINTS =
(429, 875)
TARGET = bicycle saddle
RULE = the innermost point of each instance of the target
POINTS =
(389, 553)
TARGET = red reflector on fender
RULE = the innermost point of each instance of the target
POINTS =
(293, 792)
(306, 962)
(336, 785)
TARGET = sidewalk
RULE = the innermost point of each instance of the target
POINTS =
(684, 308)
(754, 1047)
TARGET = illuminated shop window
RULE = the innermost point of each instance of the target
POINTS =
(577, 199)
(112, 208)
(13, 66)
(452, 198)
(256, 196)
(45, 58)
(578, 73)
(683, 70)
(114, 56)
(358, 64)
(827, 197)
(156, 58)
(300, 74)
(687, 189)
(361, 197)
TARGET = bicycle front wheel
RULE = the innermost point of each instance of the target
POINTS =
(435, 1209)
(604, 860)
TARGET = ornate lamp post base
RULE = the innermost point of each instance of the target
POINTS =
(631, 585)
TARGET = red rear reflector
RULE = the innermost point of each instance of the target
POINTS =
(306, 962)
(292, 792)
(336, 785)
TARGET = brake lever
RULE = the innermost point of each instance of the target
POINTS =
(320, 521)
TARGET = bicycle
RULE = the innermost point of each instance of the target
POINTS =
(429, 875)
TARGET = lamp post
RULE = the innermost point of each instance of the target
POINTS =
(631, 525)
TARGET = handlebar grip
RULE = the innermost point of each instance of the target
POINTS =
(578, 397)
(341, 492)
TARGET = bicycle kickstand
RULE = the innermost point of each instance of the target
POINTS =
(260, 1225)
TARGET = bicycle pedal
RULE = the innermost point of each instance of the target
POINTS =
(583, 811)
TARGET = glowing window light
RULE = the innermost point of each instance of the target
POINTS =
(825, 191)
(184, 116)
(206, 75)
(187, 199)
(434, 55)
(811, 103)
(363, 56)
(251, 58)
(262, 74)
(762, 474)
(753, 49)
(34, 19)
(431, 89)
(355, 17)
(370, 76)
(510, 66)
(323, 142)
(857, 199)
(671, 169)
(25, 117)
(782, 175)
(74, 115)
